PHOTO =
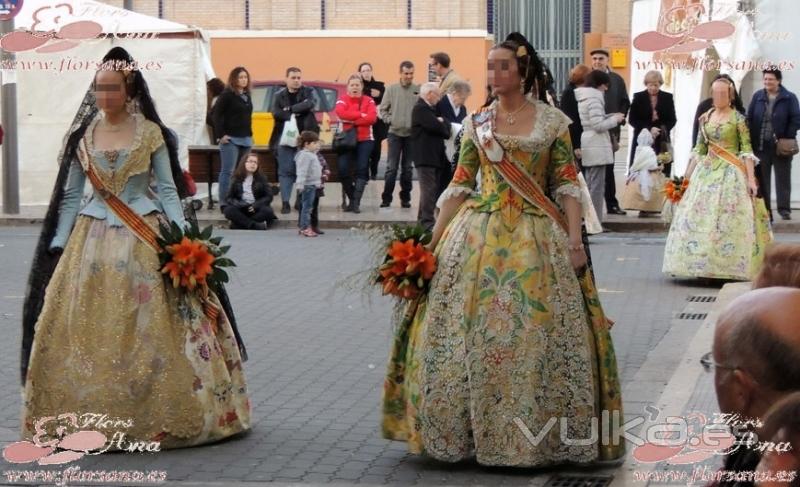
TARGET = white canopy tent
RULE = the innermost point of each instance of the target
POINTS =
(174, 59)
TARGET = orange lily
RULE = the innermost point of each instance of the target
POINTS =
(190, 265)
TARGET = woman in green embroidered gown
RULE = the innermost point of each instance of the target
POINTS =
(509, 335)
(720, 229)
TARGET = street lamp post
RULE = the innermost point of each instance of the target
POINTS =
(9, 121)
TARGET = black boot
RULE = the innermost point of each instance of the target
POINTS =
(347, 194)
(358, 192)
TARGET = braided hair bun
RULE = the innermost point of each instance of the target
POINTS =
(531, 68)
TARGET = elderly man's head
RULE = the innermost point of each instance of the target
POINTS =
(459, 92)
(757, 351)
(430, 92)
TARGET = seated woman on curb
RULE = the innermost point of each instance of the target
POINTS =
(249, 197)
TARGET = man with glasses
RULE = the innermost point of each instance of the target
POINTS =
(756, 362)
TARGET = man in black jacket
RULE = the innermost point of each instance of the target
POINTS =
(617, 101)
(428, 133)
(296, 100)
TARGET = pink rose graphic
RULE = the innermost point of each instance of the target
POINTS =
(701, 445)
(49, 25)
(682, 31)
(64, 448)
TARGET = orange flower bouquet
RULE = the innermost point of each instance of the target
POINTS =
(191, 259)
(408, 266)
(674, 189)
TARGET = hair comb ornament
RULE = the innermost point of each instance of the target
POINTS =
(521, 51)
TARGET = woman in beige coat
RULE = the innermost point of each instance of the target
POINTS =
(596, 150)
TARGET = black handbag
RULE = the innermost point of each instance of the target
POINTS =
(345, 141)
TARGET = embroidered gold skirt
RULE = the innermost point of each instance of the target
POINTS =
(501, 360)
(112, 339)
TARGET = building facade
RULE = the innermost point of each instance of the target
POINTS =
(318, 14)
(563, 31)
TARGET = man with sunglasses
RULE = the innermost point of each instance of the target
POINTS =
(756, 362)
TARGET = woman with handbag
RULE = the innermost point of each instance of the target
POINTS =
(111, 336)
(720, 228)
(355, 141)
(511, 332)
(654, 110)
(774, 119)
(232, 117)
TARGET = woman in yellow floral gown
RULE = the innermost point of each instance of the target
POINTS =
(111, 339)
(509, 335)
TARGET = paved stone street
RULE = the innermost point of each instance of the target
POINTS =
(317, 358)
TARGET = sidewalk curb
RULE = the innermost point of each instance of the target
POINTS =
(621, 225)
(678, 390)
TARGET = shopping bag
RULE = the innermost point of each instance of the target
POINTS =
(632, 198)
(590, 219)
(290, 133)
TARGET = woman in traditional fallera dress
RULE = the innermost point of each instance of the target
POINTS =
(719, 229)
(511, 333)
(110, 337)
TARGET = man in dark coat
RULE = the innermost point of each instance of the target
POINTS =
(451, 106)
(774, 114)
(296, 100)
(617, 101)
(428, 133)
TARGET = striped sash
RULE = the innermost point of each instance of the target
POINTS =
(136, 224)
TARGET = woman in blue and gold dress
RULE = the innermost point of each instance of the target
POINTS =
(110, 337)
